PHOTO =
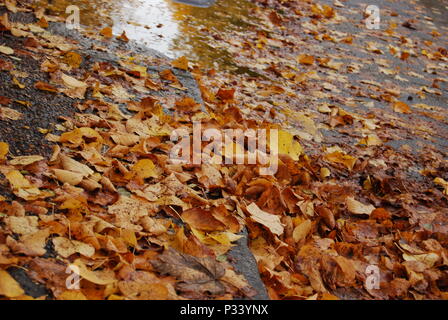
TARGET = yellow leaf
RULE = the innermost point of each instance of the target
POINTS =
(324, 172)
(144, 169)
(17, 180)
(17, 83)
(77, 136)
(75, 166)
(73, 59)
(71, 295)
(129, 237)
(439, 181)
(373, 140)
(65, 176)
(427, 258)
(180, 63)
(302, 230)
(6, 50)
(343, 158)
(287, 145)
(142, 70)
(8, 113)
(9, 286)
(4, 149)
(225, 238)
(25, 160)
(72, 82)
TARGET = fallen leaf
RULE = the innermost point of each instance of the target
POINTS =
(202, 219)
(302, 230)
(401, 107)
(11, 114)
(342, 158)
(4, 150)
(180, 63)
(101, 277)
(357, 207)
(66, 247)
(6, 50)
(106, 32)
(305, 59)
(271, 221)
(9, 286)
(25, 160)
(196, 274)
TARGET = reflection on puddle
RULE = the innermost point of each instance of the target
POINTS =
(172, 28)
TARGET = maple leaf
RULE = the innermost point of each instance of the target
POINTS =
(195, 274)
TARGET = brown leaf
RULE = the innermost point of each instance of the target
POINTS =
(195, 274)
(202, 220)
(226, 94)
(45, 87)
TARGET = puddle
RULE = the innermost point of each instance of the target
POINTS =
(172, 28)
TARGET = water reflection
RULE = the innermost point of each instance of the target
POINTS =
(174, 29)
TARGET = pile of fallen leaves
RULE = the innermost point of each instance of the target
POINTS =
(136, 226)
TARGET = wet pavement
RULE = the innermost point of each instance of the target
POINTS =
(174, 29)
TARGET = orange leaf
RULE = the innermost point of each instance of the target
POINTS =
(45, 87)
(226, 94)
(305, 59)
(106, 32)
(4, 149)
(401, 107)
(202, 219)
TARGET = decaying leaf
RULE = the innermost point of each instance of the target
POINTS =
(195, 274)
